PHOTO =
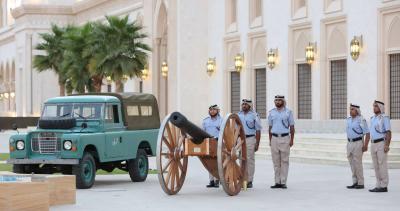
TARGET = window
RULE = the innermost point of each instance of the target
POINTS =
(394, 85)
(57, 110)
(146, 110)
(304, 91)
(255, 13)
(233, 11)
(299, 9)
(87, 110)
(231, 15)
(261, 92)
(338, 89)
(235, 92)
(111, 114)
(132, 110)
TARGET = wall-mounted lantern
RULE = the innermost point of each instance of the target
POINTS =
(164, 69)
(108, 80)
(311, 49)
(239, 60)
(355, 47)
(124, 78)
(12, 94)
(145, 72)
(272, 57)
(211, 66)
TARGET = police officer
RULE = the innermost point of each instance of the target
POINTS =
(252, 128)
(212, 125)
(281, 135)
(380, 141)
(356, 129)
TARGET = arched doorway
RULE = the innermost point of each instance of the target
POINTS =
(161, 55)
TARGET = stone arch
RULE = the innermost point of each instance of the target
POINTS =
(161, 54)
(393, 40)
(259, 52)
(233, 50)
(300, 45)
(12, 71)
(336, 43)
(7, 73)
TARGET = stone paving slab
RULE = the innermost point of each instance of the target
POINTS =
(311, 187)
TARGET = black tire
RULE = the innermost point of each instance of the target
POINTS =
(19, 169)
(57, 123)
(25, 168)
(85, 171)
(139, 168)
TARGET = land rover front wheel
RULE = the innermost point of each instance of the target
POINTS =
(85, 171)
(139, 167)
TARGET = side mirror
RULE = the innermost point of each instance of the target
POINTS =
(84, 125)
(14, 126)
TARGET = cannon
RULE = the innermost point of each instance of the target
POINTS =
(225, 158)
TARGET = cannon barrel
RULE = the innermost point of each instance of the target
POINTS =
(180, 121)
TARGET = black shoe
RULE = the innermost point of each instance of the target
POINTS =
(216, 184)
(383, 190)
(283, 186)
(211, 185)
(374, 190)
(250, 185)
(359, 187)
(352, 186)
(276, 186)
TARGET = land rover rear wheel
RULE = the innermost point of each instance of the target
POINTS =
(138, 168)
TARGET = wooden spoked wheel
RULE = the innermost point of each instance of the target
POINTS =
(232, 165)
(171, 162)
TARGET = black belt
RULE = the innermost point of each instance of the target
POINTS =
(378, 140)
(354, 139)
(280, 135)
(248, 136)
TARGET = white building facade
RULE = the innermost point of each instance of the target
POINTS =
(185, 34)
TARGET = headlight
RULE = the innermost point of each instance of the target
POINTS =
(67, 145)
(20, 145)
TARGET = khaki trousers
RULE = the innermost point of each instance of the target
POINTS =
(379, 159)
(354, 155)
(211, 177)
(251, 146)
(280, 150)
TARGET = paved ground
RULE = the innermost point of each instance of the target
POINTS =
(311, 187)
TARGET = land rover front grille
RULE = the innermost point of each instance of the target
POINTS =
(46, 143)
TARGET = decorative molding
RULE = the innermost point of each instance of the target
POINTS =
(385, 19)
(324, 62)
(34, 9)
(331, 6)
(292, 62)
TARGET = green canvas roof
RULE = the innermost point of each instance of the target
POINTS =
(131, 99)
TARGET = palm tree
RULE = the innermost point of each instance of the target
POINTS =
(53, 56)
(118, 49)
(76, 61)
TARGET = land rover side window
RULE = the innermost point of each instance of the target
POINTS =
(146, 110)
(132, 110)
(57, 110)
(111, 114)
(88, 110)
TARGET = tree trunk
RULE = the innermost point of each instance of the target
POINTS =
(62, 88)
(97, 82)
(119, 86)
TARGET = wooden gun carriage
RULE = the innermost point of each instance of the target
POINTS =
(224, 158)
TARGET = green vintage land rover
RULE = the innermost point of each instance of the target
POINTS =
(80, 134)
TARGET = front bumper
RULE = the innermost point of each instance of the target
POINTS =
(43, 161)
